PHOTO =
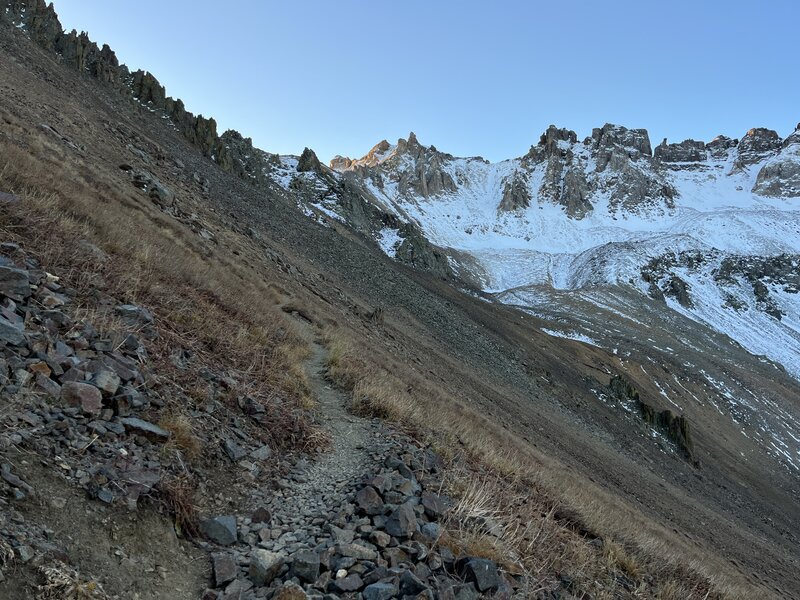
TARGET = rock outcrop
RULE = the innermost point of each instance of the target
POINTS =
(757, 144)
(685, 151)
(675, 428)
(720, 145)
(515, 194)
(780, 177)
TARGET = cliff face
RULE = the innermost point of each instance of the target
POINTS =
(78, 52)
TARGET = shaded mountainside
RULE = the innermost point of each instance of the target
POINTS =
(696, 453)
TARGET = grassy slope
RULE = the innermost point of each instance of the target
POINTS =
(442, 364)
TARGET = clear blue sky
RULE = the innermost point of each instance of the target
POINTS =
(473, 78)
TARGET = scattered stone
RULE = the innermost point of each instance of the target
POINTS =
(221, 530)
(145, 428)
(380, 591)
(225, 568)
(264, 566)
(351, 583)
(14, 283)
(402, 522)
(369, 501)
(482, 572)
(306, 565)
(261, 515)
(263, 453)
(84, 396)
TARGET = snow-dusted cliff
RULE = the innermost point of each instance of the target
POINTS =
(609, 211)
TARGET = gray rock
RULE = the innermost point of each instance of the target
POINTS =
(720, 145)
(341, 536)
(145, 428)
(25, 553)
(435, 507)
(356, 551)
(369, 501)
(431, 531)
(309, 162)
(11, 333)
(106, 381)
(134, 315)
(515, 193)
(221, 530)
(402, 522)
(380, 591)
(264, 566)
(380, 538)
(685, 151)
(263, 453)
(48, 386)
(305, 565)
(780, 177)
(482, 572)
(225, 568)
(351, 583)
(411, 585)
(14, 283)
(84, 396)
(233, 450)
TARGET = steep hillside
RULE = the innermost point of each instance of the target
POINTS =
(593, 444)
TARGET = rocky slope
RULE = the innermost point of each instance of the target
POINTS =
(689, 436)
(710, 231)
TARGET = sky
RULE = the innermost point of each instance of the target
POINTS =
(472, 78)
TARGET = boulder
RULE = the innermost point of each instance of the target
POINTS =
(264, 566)
(402, 522)
(11, 333)
(221, 530)
(369, 502)
(305, 565)
(14, 283)
(435, 507)
(84, 396)
(480, 571)
(225, 568)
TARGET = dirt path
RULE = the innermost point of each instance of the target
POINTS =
(321, 490)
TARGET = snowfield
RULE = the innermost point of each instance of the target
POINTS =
(714, 210)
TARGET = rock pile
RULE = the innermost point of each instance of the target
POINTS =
(376, 539)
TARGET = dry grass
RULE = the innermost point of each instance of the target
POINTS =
(64, 583)
(97, 236)
(176, 495)
(514, 506)
(183, 437)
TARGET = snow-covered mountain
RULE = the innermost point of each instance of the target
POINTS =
(711, 229)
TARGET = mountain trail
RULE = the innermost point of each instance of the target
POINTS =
(317, 489)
